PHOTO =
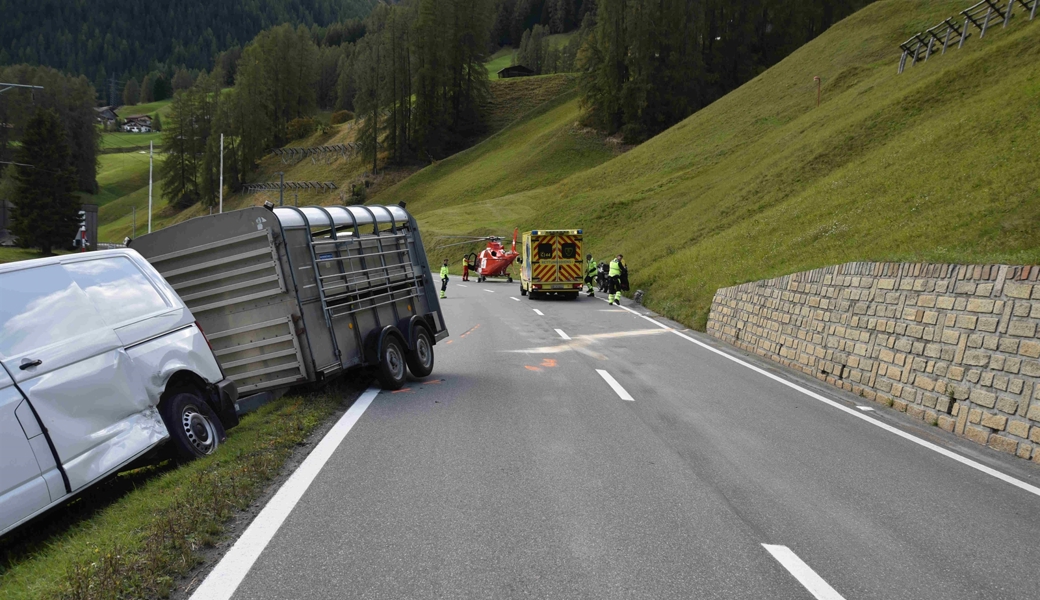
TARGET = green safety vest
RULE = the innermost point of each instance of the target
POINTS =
(444, 272)
(615, 268)
(590, 269)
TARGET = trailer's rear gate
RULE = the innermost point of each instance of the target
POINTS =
(237, 290)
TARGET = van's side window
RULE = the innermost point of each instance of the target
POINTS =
(118, 289)
(41, 306)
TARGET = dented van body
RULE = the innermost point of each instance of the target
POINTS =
(92, 348)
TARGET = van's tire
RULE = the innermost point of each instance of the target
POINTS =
(391, 369)
(523, 292)
(195, 430)
(420, 360)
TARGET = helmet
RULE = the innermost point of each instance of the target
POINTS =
(588, 257)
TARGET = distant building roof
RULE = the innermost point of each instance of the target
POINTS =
(515, 71)
(137, 118)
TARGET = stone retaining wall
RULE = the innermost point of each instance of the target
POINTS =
(954, 345)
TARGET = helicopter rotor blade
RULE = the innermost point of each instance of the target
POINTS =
(460, 244)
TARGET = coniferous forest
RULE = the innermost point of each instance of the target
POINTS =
(413, 71)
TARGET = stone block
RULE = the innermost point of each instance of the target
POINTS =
(976, 434)
(1031, 368)
(1012, 365)
(1021, 309)
(1003, 444)
(979, 305)
(974, 416)
(1006, 404)
(984, 289)
(887, 284)
(1020, 328)
(1029, 348)
(926, 301)
(1017, 290)
(1009, 345)
(976, 358)
(988, 324)
(924, 383)
(947, 422)
(998, 422)
(950, 337)
(915, 411)
(983, 398)
(966, 321)
(955, 373)
(1024, 450)
(944, 302)
(1019, 428)
(1000, 382)
(1034, 413)
(1034, 434)
(1015, 386)
(899, 405)
(964, 287)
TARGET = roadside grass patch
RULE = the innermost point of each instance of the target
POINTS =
(135, 536)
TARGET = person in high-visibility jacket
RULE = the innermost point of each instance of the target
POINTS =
(444, 279)
(465, 268)
(590, 274)
(614, 279)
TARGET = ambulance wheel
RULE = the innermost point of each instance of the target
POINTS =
(420, 360)
(523, 292)
(391, 370)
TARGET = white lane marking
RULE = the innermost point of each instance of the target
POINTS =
(514, 298)
(562, 334)
(490, 291)
(819, 588)
(460, 285)
(864, 408)
(225, 578)
(539, 313)
(1032, 489)
(615, 385)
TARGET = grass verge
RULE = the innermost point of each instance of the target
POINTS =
(133, 535)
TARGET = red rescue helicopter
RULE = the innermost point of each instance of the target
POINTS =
(493, 261)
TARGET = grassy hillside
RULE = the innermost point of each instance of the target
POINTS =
(935, 164)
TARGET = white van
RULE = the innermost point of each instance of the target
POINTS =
(101, 363)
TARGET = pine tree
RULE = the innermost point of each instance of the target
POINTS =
(46, 212)
(131, 92)
(146, 89)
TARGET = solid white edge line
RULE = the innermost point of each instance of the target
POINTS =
(514, 298)
(865, 408)
(1032, 489)
(225, 578)
(819, 588)
(562, 334)
(620, 391)
(538, 312)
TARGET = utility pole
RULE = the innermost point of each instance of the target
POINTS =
(150, 186)
(134, 209)
(818, 89)
(222, 173)
(281, 188)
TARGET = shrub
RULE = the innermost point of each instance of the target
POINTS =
(342, 116)
(301, 128)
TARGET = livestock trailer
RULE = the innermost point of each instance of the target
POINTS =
(292, 295)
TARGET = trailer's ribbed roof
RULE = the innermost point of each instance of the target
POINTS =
(340, 216)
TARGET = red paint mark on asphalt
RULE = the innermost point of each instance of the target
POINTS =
(549, 362)
(434, 382)
(402, 391)
(530, 368)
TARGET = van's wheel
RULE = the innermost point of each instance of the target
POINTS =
(194, 428)
(391, 369)
(523, 292)
(420, 360)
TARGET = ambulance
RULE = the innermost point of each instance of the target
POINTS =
(551, 262)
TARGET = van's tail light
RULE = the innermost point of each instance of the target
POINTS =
(204, 336)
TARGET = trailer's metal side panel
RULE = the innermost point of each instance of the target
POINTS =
(228, 271)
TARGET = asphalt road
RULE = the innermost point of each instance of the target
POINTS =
(518, 471)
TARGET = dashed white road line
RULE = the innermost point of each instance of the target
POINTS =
(225, 578)
(490, 291)
(1032, 489)
(540, 314)
(514, 298)
(819, 588)
(615, 385)
(460, 285)
(864, 408)
(562, 334)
